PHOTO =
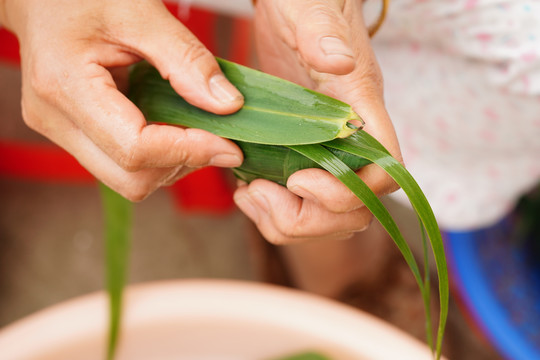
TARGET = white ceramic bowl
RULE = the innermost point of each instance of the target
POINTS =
(208, 320)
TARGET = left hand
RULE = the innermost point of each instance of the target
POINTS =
(69, 50)
(323, 45)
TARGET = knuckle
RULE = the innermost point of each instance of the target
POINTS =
(128, 158)
(182, 154)
(366, 221)
(31, 117)
(136, 195)
(345, 236)
(186, 157)
(135, 187)
(276, 239)
(136, 191)
(184, 146)
(322, 14)
(194, 52)
(293, 228)
(298, 230)
(43, 83)
(343, 204)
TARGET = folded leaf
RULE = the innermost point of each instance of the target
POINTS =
(275, 111)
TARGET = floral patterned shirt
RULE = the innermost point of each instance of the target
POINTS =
(462, 85)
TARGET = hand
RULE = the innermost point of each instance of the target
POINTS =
(323, 45)
(68, 48)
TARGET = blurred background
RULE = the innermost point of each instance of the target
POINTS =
(51, 225)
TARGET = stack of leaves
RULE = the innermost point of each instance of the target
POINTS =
(281, 128)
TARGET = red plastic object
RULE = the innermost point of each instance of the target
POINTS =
(9, 47)
(240, 49)
(40, 161)
(205, 190)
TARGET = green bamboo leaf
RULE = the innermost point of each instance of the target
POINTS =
(363, 144)
(427, 283)
(275, 111)
(332, 164)
(277, 163)
(118, 214)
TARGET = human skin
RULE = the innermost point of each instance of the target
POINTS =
(70, 47)
(323, 45)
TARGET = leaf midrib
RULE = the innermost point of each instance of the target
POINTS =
(301, 116)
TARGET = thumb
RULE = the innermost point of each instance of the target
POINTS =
(183, 60)
(323, 35)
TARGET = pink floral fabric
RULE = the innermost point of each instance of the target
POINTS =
(462, 85)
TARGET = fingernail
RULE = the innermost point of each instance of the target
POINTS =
(247, 207)
(332, 45)
(225, 160)
(223, 90)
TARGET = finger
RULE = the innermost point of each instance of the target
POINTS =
(323, 35)
(134, 186)
(178, 173)
(320, 186)
(379, 125)
(183, 60)
(282, 217)
(325, 189)
(363, 90)
(109, 119)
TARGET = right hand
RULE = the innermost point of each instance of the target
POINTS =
(68, 48)
(324, 45)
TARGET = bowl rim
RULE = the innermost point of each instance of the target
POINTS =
(228, 299)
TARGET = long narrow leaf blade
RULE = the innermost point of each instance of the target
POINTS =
(364, 145)
(118, 215)
(427, 282)
(343, 173)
